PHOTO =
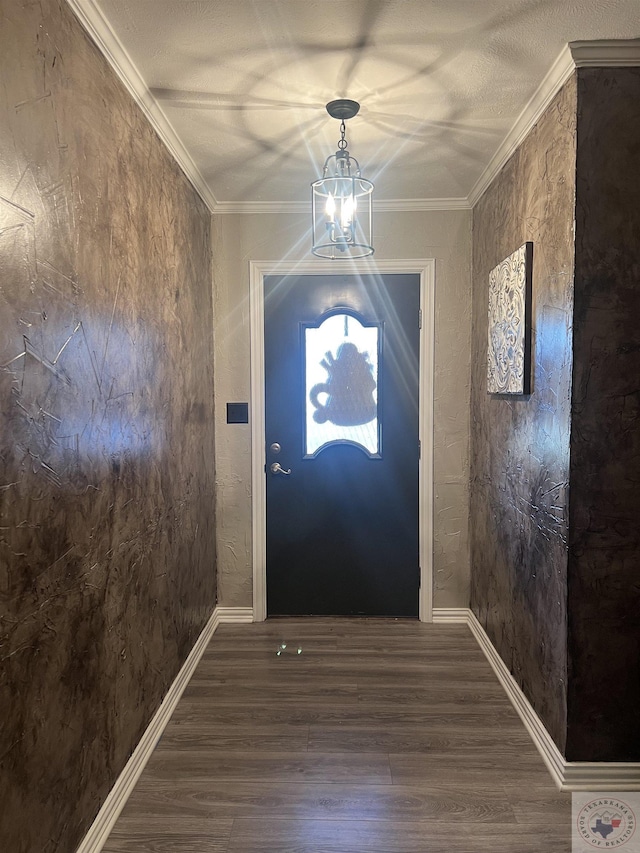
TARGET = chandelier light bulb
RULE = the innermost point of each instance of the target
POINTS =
(348, 211)
(330, 207)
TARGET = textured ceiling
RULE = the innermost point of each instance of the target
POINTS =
(441, 83)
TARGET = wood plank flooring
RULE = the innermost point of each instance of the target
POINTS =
(384, 736)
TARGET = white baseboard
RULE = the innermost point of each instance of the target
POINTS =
(97, 835)
(234, 615)
(543, 741)
(451, 615)
(568, 775)
(601, 776)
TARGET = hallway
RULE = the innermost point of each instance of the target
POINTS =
(381, 736)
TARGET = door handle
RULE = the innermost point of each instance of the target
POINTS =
(276, 468)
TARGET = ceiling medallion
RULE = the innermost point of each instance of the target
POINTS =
(341, 199)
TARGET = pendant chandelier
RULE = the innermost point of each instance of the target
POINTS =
(341, 199)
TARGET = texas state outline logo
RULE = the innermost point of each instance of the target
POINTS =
(604, 822)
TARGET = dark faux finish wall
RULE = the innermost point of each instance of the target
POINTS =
(520, 445)
(107, 563)
(604, 543)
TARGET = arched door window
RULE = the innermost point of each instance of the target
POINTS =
(341, 363)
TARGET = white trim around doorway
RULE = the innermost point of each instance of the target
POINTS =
(425, 268)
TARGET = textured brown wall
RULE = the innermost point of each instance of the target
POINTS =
(107, 563)
(604, 552)
(520, 446)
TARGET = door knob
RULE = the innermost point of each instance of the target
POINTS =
(276, 468)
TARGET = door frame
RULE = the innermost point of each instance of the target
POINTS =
(258, 270)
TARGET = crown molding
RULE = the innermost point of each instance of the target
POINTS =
(97, 26)
(617, 53)
(612, 53)
(401, 205)
(556, 77)
(606, 53)
(380, 206)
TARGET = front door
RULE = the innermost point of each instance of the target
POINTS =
(342, 450)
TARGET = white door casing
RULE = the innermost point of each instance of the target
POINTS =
(425, 268)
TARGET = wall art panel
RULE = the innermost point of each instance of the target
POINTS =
(509, 326)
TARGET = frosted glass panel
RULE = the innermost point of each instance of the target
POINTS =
(341, 366)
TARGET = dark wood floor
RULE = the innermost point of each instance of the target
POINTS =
(380, 736)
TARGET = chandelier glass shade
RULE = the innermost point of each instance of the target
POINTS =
(341, 200)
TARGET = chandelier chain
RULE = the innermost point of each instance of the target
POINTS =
(342, 144)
